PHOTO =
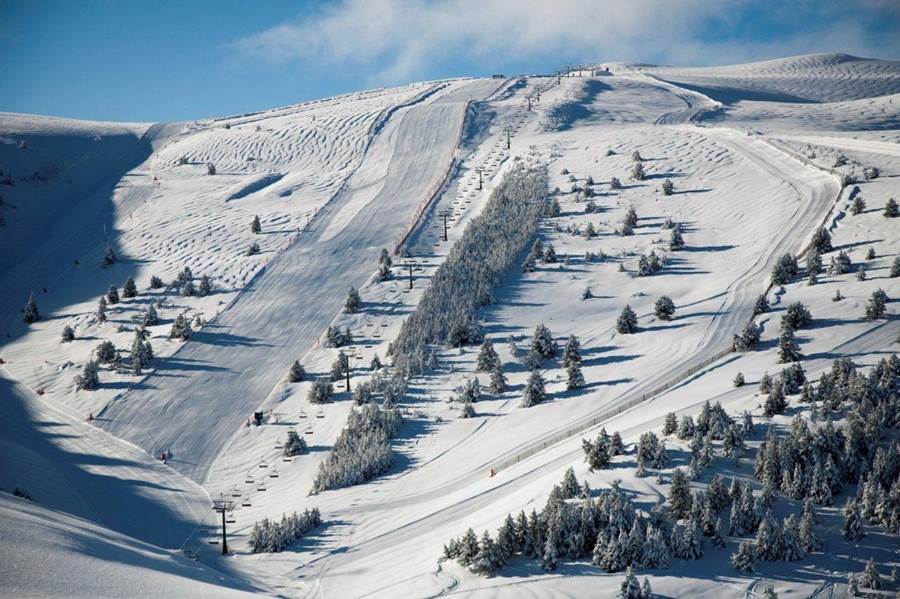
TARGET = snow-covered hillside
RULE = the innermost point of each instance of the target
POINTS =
(745, 163)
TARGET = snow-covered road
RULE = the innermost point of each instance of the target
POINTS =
(196, 402)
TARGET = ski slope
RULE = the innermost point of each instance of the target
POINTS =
(750, 151)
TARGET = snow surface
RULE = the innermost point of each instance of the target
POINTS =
(750, 150)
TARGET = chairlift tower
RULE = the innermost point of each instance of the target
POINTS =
(222, 506)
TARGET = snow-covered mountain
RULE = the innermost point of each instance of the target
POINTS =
(652, 182)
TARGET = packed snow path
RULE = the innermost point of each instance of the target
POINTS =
(227, 370)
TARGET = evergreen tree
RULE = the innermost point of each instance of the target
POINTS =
(296, 373)
(670, 425)
(206, 287)
(542, 343)
(89, 379)
(188, 289)
(139, 358)
(130, 289)
(676, 240)
(821, 241)
(101, 309)
(809, 541)
(534, 392)
(739, 379)
(761, 306)
(68, 334)
(870, 578)
(506, 543)
(891, 210)
(571, 351)
(487, 357)
(597, 454)
(498, 381)
(788, 348)
(664, 308)
(468, 548)
(877, 305)
(858, 206)
(627, 321)
(255, 225)
(792, 546)
(574, 377)
(294, 445)
(181, 328)
(685, 428)
(486, 560)
(679, 495)
(109, 257)
(112, 296)
(852, 527)
(351, 305)
(552, 546)
(655, 551)
(769, 592)
(744, 560)
(630, 587)
(156, 282)
(646, 589)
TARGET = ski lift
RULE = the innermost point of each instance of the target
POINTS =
(308, 430)
(262, 485)
(320, 413)
(274, 472)
(229, 518)
(302, 413)
(262, 463)
(235, 492)
(213, 540)
(287, 458)
(249, 478)
(245, 500)
(278, 443)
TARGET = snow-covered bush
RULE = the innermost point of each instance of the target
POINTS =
(268, 536)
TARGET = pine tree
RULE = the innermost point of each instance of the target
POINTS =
(294, 445)
(498, 381)
(646, 589)
(156, 282)
(534, 392)
(574, 377)
(351, 305)
(486, 559)
(468, 548)
(150, 317)
(679, 495)
(552, 546)
(109, 258)
(89, 379)
(206, 287)
(655, 551)
(809, 541)
(858, 205)
(487, 357)
(101, 309)
(821, 241)
(296, 373)
(891, 210)
(68, 334)
(255, 225)
(739, 379)
(664, 308)
(744, 560)
(788, 348)
(877, 305)
(627, 321)
(571, 351)
(542, 343)
(676, 240)
(776, 402)
(792, 546)
(181, 329)
(630, 587)
(769, 593)
(139, 358)
(670, 425)
(852, 527)
(112, 296)
(870, 578)
(31, 313)
(188, 289)
(761, 306)
(130, 289)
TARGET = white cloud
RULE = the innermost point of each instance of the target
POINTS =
(394, 40)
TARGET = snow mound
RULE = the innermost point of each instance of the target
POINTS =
(50, 554)
(803, 79)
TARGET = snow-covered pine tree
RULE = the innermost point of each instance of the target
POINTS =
(101, 309)
(761, 306)
(788, 348)
(574, 377)
(891, 210)
(630, 587)
(255, 225)
(351, 305)
(487, 357)
(181, 328)
(627, 321)
(876, 308)
(552, 545)
(685, 428)
(542, 343)
(821, 241)
(571, 351)
(129, 289)
(676, 240)
(68, 334)
(792, 547)
(670, 424)
(534, 392)
(744, 559)
(664, 308)
(679, 495)
(89, 379)
(852, 527)
(112, 295)
(895, 268)
(498, 381)
(769, 592)
(858, 206)
(294, 445)
(296, 374)
(870, 578)
(487, 559)
(785, 270)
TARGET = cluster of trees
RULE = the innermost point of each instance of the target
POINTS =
(362, 451)
(269, 536)
(334, 337)
(649, 264)
(294, 445)
(599, 452)
(474, 267)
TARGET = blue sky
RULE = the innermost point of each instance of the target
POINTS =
(130, 60)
